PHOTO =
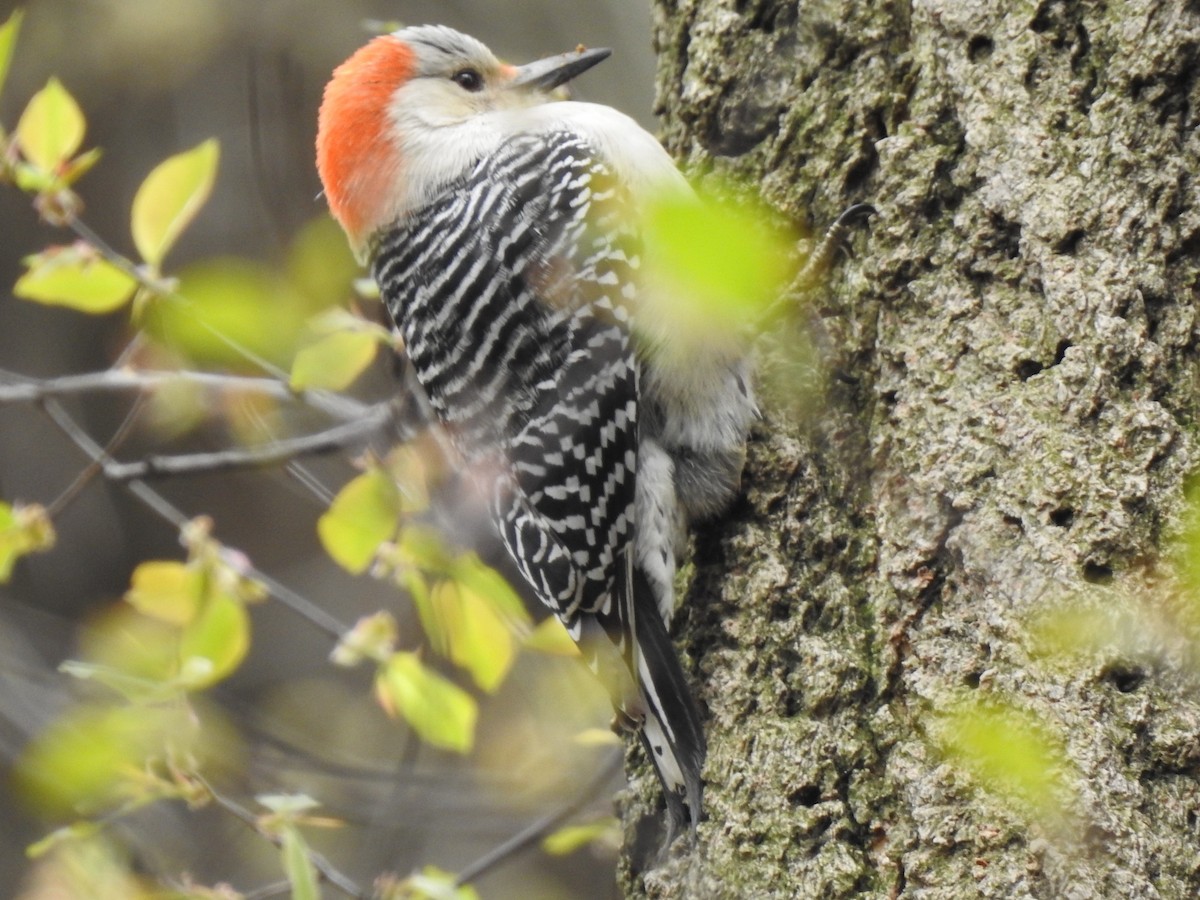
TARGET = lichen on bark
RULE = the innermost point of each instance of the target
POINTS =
(1011, 424)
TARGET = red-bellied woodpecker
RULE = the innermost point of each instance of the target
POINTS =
(501, 224)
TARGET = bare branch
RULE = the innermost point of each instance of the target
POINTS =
(164, 509)
(275, 453)
(538, 829)
(15, 388)
(326, 869)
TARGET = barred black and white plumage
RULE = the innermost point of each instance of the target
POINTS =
(503, 236)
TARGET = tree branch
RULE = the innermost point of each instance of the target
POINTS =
(538, 828)
(15, 388)
(323, 866)
(274, 453)
(163, 508)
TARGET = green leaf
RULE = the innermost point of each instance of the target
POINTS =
(80, 166)
(165, 590)
(298, 865)
(320, 263)
(571, 837)
(714, 268)
(333, 362)
(23, 530)
(8, 41)
(85, 761)
(465, 626)
(432, 883)
(362, 517)
(51, 128)
(438, 710)
(170, 197)
(215, 644)
(75, 277)
(1009, 751)
(473, 573)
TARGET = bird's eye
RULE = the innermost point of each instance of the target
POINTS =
(468, 80)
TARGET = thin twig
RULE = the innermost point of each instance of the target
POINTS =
(164, 509)
(163, 288)
(325, 868)
(16, 388)
(537, 829)
(95, 467)
(278, 889)
(275, 453)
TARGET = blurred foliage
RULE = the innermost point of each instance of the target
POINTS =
(570, 838)
(23, 529)
(1012, 753)
(716, 268)
(89, 865)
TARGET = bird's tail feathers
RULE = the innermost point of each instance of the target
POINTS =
(671, 732)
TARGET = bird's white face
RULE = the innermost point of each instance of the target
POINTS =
(456, 79)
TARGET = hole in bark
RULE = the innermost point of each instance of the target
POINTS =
(971, 679)
(1062, 517)
(1027, 368)
(1069, 243)
(780, 612)
(809, 795)
(1014, 521)
(1060, 352)
(980, 47)
(1097, 573)
(1125, 679)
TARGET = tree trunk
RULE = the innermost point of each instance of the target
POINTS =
(1010, 424)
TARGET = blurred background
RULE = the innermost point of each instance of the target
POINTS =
(155, 77)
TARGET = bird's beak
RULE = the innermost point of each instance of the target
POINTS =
(547, 74)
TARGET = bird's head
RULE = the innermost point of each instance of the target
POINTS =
(410, 110)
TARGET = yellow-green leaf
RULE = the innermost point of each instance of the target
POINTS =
(432, 883)
(215, 644)
(465, 626)
(438, 710)
(571, 837)
(597, 737)
(711, 270)
(1009, 751)
(165, 590)
(80, 166)
(472, 572)
(23, 530)
(362, 517)
(84, 760)
(51, 128)
(8, 40)
(333, 362)
(227, 307)
(75, 277)
(298, 865)
(170, 197)
(550, 636)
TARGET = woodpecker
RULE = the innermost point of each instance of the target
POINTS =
(501, 224)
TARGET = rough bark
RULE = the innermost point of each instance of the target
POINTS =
(1012, 425)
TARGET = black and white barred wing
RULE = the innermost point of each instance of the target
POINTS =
(509, 299)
